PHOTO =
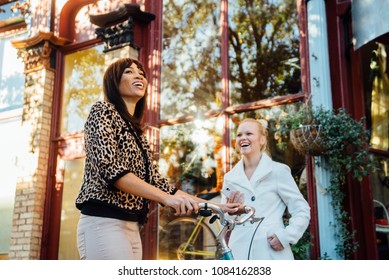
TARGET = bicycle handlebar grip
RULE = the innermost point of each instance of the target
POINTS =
(249, 213)
(241, 210)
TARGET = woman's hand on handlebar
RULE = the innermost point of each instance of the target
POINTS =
(182, 204)
(230, 208)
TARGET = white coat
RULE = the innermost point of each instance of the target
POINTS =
(270, 190)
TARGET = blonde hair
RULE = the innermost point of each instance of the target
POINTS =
(262, 128)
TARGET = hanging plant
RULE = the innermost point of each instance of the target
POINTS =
(308, 139)
(344, 142)
(302, 130)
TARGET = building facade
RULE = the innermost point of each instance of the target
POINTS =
(209, 64)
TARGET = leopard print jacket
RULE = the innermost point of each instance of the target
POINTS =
(111, 152)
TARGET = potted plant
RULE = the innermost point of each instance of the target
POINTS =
(344, 143)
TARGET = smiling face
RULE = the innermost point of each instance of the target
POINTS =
(249, 138)
(133, 84)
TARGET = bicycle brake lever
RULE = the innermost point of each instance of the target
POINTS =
(213, 219)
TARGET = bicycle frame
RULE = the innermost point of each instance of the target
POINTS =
(193, 236)
(223, 251)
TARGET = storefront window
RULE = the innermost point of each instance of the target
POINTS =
(10, 144)
(200, 116)
(191, 158)
(191, 72)
(70, 214)
(12, 77)
(264, 53)
(12, 139)
(379, 98)
(189, 155)
(82, 87)
(376, 87)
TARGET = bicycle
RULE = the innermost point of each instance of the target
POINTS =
(190, 238)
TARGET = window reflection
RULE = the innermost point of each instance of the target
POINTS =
(378, 98)
(263, 49)
(11, 76)
(190, 155)
(264, 59)
(191, 71)
(380, 183)
(69, 214)
(191, 158)
(376, 89)
(82, 87)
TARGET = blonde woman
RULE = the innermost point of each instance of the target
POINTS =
(258, 181)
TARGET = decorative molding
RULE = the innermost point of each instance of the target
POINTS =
(116, 28)
(121, 14)
(36, 51)
(117, 36)
(41, 36)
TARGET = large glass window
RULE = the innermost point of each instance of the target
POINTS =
(12, 77)
(263, 52)
(191, 72)
(10, 142)
(82, 87)
(70, 214)
(376, 88)
(12, 138)
(189, 154)
(200, 114)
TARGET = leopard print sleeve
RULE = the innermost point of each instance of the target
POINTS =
(101, 142)
(157, 179)
(161, 182)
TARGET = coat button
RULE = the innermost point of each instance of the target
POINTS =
(252, 198)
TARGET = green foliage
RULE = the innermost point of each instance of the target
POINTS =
(301, 248)
(346, 148)
(346, 144)
(291, 121)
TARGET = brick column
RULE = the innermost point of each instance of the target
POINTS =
(32, 163)
(32, 158)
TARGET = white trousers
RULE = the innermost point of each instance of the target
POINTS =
(101, 238)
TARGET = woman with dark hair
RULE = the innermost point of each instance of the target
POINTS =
(120, 177)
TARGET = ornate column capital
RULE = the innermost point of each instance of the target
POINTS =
(36, 51)
(116, 28)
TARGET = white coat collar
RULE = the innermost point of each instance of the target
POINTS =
(236, 176)
(263, 169)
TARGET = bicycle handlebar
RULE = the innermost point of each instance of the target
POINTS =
(249, 212)
(206, 209)
(224, 220)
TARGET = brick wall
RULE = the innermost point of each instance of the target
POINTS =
(32, 162)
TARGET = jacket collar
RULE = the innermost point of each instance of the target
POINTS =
(263, 169)
(237, 176)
